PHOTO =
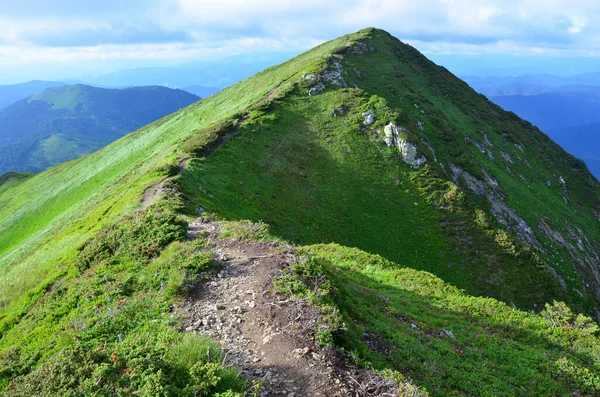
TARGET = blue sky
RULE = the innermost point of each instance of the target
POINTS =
(52, 39)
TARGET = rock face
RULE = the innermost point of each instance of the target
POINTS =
(490, 189)
(316, 89)
(395, 136)
(333, 74)
(581, 251)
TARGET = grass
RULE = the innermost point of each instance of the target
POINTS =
(45, 218)
(315, 178)
(88, 277)
(110, 313)
(448, 342)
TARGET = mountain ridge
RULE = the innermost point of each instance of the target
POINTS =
(419, 198)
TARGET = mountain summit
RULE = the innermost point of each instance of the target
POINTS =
(367, 213)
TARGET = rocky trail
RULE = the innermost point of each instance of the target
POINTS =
(268, 337)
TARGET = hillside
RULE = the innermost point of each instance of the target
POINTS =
(67, 122)
(12, 93)
(357, 210)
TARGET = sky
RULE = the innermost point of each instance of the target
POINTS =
(58, 39)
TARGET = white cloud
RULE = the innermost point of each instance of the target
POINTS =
(35, 31)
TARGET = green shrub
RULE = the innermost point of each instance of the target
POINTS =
(137, 236)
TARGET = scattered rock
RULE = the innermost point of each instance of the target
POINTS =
(246, 328)
(339, 111)
(507, 157)
(431, 149)
(448, 333)
(486, 139)
(480, 146)
(302, 351)
(369, 117)
(420, 126)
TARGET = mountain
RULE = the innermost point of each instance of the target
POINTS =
(499, 85)
(550, 111)
(356, 220)
(10, 94)
(581, 140)
(67, 122)
(557, 105)
(208, 74)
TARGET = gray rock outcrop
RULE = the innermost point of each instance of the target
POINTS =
(396, 136)
(490, 189)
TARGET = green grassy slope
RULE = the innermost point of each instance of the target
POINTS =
(66, 122)
(45, 219)
(318, 178)
(448, 342)
(264, 149)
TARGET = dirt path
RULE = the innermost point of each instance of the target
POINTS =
(269, 338)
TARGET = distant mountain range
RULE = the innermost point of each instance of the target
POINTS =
(218, 74)
(199, 78)
(491, 85)
(67, 122)
(10, 94)
(201, 91)
(565, 108)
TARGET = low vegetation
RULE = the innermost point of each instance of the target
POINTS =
(450, 343)
(111, 314)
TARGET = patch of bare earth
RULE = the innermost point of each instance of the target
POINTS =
(268, 337)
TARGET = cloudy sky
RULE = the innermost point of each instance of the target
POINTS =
(70, 38)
